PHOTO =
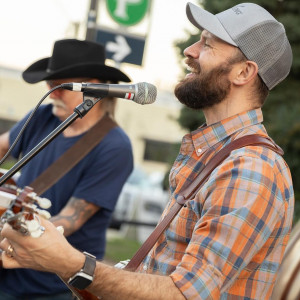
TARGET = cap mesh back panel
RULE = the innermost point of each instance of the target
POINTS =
(265, 44)
(280, 69)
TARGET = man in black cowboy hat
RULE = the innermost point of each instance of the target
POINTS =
(83, 200)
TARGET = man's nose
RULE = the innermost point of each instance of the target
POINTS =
(192, 51)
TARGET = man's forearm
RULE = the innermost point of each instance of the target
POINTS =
(108, 283)
(113, 283)
(74, 215)
(65, 222)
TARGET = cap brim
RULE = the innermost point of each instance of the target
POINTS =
(203, 19)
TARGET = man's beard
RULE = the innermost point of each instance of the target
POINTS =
(203, 90)
(60, 110)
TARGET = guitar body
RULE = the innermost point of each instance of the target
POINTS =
(81, 294)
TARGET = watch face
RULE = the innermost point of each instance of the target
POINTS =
(84, 277)
(80, 282)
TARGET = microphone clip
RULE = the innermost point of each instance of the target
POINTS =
(88, 103)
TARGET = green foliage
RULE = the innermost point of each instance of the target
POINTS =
(297, 211)
(282, 109)
(186, 121)
(118, 249)
(7, 164)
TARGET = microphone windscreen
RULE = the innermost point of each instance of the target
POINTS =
(146, 94)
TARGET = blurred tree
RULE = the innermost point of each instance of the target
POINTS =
(282, 109)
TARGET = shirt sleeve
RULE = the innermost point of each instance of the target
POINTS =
(238, 208)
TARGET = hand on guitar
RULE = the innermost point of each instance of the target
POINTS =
(51, 252)
(41, 253)
(19, 208)
(24, 243)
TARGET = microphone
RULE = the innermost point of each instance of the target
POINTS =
(141, 93)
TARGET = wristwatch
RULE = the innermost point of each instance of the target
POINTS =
(85, 276)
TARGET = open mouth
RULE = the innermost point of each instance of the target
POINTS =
(191, 69)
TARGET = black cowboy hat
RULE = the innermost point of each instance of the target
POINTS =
(74, 58)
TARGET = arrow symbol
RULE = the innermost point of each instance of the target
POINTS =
(121, 48)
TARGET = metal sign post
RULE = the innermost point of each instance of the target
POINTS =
(92, 21)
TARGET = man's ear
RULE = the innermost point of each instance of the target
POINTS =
(246, 72)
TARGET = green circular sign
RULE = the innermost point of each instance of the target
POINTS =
(127, 12)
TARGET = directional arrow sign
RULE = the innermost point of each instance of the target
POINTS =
(122, 47)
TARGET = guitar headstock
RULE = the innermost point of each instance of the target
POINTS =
(23, 212)
(23, 215)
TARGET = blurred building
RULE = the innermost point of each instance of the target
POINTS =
(153, 129)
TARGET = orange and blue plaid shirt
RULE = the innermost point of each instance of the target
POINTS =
(227, 242)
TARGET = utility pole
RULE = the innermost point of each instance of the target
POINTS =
(92, 21)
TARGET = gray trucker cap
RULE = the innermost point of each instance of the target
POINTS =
(255, 31)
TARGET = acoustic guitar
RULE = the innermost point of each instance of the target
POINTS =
(19, 208)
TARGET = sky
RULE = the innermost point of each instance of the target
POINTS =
(28, 29)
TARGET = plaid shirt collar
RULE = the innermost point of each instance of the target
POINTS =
(208, 136)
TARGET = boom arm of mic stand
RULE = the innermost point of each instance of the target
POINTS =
(80, 111)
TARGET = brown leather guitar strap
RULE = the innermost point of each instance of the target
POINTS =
(191, 190)
(73, 155)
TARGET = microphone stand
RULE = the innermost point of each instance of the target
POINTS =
(79, 111)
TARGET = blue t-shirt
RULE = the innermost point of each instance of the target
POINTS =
(98, 178)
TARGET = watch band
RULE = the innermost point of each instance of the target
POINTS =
(85, 276)
(89, 264)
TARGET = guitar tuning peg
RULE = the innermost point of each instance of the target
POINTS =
(44, 202)
(60, 229)
(32, 195)
(44, 213)
(32, 225)
(38, 233)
